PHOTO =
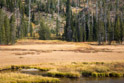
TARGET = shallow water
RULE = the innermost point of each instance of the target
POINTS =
(94, 80)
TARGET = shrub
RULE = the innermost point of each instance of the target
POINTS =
(107, 75)
(101, 75)
(14, 67)
(86, 73)
(64, 74)
(99, 63)
(44, 32)
(94, 74)
(115, 74)
(73, 75)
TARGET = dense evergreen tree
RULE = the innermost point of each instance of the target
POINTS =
(33, 18)
(7, 30)
(31, 31)
(1, 25)
(117, 29)
(23, 31)
(3, 35)
(12, 30)
(122, 31)
(110, 29)
(68, 31)
(2, 3)
(57, 27)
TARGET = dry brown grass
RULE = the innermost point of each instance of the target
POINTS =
(28, 52)
(24, 78)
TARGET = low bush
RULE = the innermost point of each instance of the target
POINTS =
(115, 74)
(64, 74)
(86, 73)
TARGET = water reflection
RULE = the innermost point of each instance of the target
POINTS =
(94, 80)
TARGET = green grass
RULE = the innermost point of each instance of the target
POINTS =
(100, 69)
(97, 74)
(15, 67)
(115, 74)
(76, 70)
(24, 78)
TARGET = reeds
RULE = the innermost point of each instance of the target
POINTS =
(24, 78)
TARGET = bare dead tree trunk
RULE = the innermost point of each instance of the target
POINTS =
(29, 20)
(105, 21)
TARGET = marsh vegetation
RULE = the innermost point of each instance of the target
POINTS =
(56, 73)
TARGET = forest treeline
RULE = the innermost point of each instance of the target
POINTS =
(92, 20)
(106, 23)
